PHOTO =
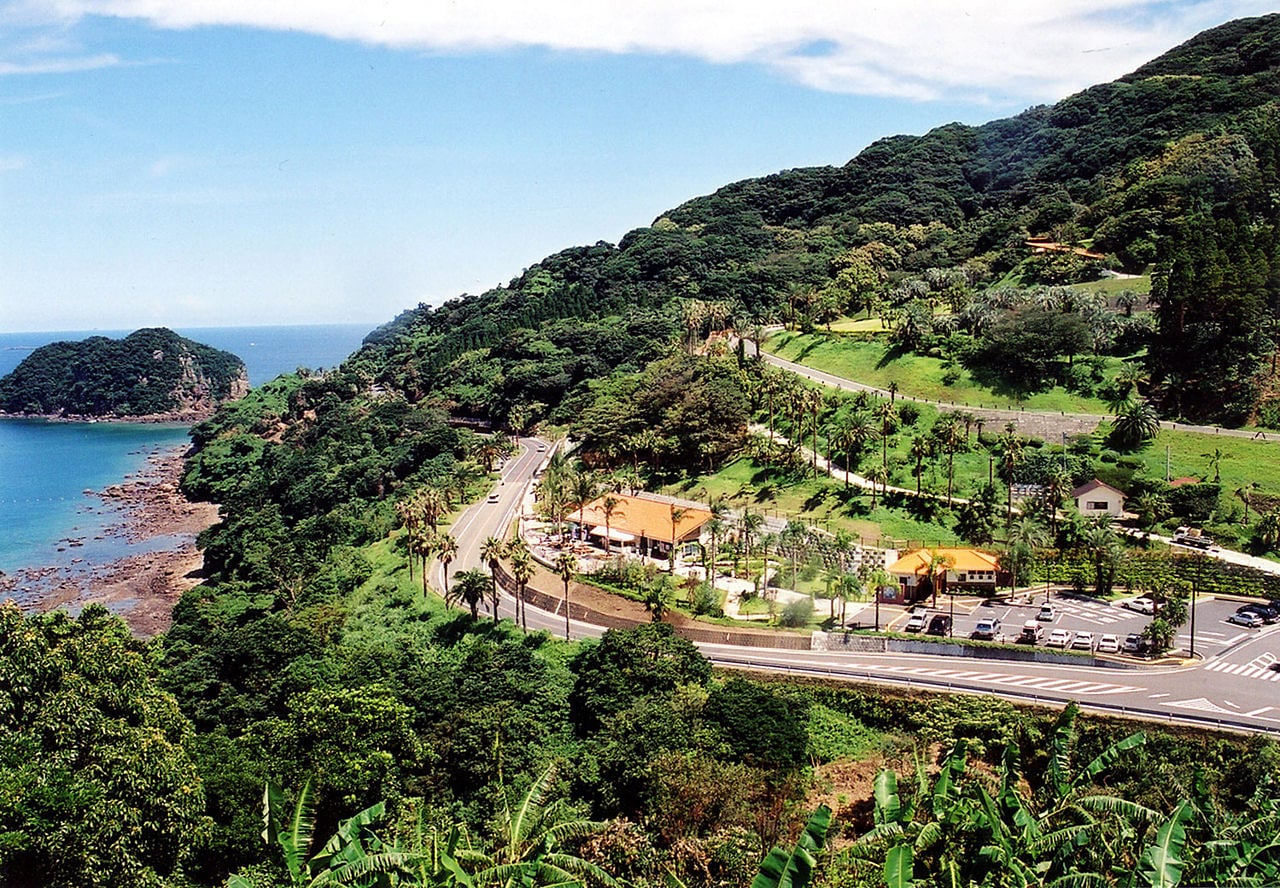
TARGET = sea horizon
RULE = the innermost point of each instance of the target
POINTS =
(50, 469)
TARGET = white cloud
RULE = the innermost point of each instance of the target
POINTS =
(909, 48)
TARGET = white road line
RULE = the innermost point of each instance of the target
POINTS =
(1259, 711)
(1156, 696)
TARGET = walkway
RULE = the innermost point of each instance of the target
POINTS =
(1044, 424)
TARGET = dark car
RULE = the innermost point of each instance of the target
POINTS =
(939, 625)
(1267, 612)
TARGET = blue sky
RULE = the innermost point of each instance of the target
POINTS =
(221, 162)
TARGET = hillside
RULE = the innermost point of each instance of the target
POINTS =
(150, 372)
(1169, 168)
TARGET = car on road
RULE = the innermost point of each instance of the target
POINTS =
(1134, 644)
(916, 622)
(542, 448)
(1047, 613)
(1109, 644)
(1059, 638)
(939, 625)
(1082, 642)
(493, 497)
(1032, 632)
(1142, 605)
(1247, 619)
(988, 628)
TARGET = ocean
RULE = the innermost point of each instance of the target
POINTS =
(48, 468)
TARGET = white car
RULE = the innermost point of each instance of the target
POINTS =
(1142, 605)
(1109, 644)
(1059, 638)
(916, 622)
(1047, 613)
(493, 497)
(1083, 641)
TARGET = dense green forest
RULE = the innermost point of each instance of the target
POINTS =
(313, 675)
(149, 372)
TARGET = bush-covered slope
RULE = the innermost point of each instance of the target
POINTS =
(1171, 168)
(149, 372)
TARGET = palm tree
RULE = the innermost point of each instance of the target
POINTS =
(1215, 457)
(424, 546)
(919, 450)
(585, 485)
(522, 572)
(1011, 449)
(609, 504)
(877, 474)
(566, 564)
(750, 523)
(469, 587)
(432, 503)
(492, 551)
(814, 400)
(446, 548)
(887, 415)
(1134, 424)
(677, 514)
(409, 515)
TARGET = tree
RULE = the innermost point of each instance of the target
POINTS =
(677, 514)
(469, 587)
(1135, 425)
(1011, 449)
(887, 415)
(566, 565)
(609, 504)
(446, 549)
(522, 571)
(97, 782)
(919, 451)
(492, 551)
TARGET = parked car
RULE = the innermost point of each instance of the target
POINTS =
(1135, 644)
(1142, 605)
(1109, 644)
(916, 622)
(939, 625)
(1246, 618)
(1083, 641)
(1047, 613)
(1032, 632)
(1059, 638)
(988, 628)
(1266, 612)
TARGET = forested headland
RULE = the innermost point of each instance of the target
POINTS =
(315, 664)
(149, 373)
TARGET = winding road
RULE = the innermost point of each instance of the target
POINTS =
(1234, 687)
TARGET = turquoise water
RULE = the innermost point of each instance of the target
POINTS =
(47, 467)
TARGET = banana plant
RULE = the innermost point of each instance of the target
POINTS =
(794, 868)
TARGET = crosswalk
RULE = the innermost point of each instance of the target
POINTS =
(1259, 667)
(1093, 612)
(1024, 682)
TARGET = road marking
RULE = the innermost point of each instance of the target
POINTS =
(1053, 685)
(1202, 704)
(1156, 696)
(1259, 711)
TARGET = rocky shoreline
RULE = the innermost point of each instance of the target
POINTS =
(141, 588)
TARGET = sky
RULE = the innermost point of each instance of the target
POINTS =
(242, 162)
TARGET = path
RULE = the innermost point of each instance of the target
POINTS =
(1044, 424)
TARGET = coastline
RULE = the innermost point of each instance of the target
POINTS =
(140, 588)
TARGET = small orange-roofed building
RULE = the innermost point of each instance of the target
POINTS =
(955, 568)
(643, 523)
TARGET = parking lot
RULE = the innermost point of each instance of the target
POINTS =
(1079, 620)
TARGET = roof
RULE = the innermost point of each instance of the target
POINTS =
(647, 515)
(1090, 486)
(917, 560)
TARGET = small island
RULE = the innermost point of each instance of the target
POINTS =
(151, 374)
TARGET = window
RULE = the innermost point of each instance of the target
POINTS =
(1098, 505)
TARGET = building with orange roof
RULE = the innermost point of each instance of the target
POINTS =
(955, 568)
(644, 523)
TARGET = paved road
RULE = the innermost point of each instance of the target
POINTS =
(1233, 687)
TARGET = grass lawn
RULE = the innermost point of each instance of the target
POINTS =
(1243, 462)
(873, 363)
(744, 483)
(1111, 286)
